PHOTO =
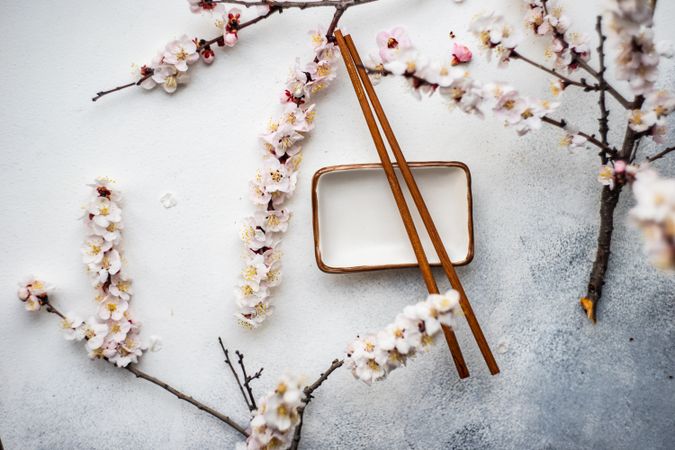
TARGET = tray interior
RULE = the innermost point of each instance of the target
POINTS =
(359, 223)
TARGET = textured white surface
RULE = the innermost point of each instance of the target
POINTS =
(360, 225)
(564, 382)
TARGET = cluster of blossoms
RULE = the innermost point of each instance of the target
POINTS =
(34, 293)
(568, 47)
(654, 214)
(274, 183)
(496, 36)
(398, 56)
(170, 67)
(274, 422)
(372, 357)
(637, 61)
(112, 333)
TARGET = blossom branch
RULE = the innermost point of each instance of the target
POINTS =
(300, 5)
(562, 124)
(140, 374)
(582, 83)
(203, 43)
(660, 154)
(308, 391)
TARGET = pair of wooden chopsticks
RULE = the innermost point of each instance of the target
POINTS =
(356, 70)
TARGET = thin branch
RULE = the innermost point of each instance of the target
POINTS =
(339, 11)
(627, 104)
(660, 154)
(294, 4)
(247, 379)
(203, 43)
(308, 391)
(236, 376)
(591, 138)
(603, 122)
(567, 81)
(140, 374)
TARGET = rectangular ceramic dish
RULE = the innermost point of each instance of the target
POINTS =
(357, 226)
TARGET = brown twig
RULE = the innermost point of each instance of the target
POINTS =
(299, 5)
(566, 80)
(248, 398)
(308, 391)
(660, 154)
(627, 104)
(603, 123)
(248, 379)
(140, 374)
(562, 123)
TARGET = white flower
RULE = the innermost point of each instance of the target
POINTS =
(119, 329)
(34, 293)
(103, 212)
(94, 249)
(249, 295)
(128, 352)
(654, 214)
(180, 53)
(120, 286)
(255, 270)
(282, 140)
(276, 177)
(170, 77)
(300, 118)
(253, 234)
(661, 102)
(606, 176)
(112, 308)
(573, 141)
(275, 221)
(640, 121)
(392, 43)
(110, 264)
(73, 327)
(95, 333)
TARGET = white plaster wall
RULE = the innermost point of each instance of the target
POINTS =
(564, 382)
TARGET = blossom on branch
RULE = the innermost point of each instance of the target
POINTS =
(34, 293)
(466, 93)
(274, 183)
(273, 423)
(548, 19)
(654, 214)
(372, 357)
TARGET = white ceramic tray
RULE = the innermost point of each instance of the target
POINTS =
(357, 226)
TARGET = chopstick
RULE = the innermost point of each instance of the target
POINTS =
(424, 211)
(429, 280)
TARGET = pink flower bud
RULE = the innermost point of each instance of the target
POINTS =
(619, 166)
(460, 54)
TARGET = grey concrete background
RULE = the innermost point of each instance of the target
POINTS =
(564, 383)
